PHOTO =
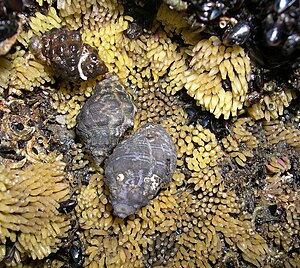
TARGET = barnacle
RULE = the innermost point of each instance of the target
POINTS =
(213, 66)
(272, 106)
(17, 128)
(23, 140)
(37, 150)
(29, 215)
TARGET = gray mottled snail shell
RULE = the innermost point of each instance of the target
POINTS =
(104, 118)
(69, 57)
(139, 167)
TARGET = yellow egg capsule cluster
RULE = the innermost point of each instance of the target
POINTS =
(29, 216)
(211, 63)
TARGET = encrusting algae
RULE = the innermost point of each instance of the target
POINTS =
(234, 196)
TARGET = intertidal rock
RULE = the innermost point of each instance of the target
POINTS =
(70, 58)
(104, 118)
(139, 167)
(10, 27)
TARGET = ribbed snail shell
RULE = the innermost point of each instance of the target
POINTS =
(105, 117)
(139, 167)
(69, 57)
